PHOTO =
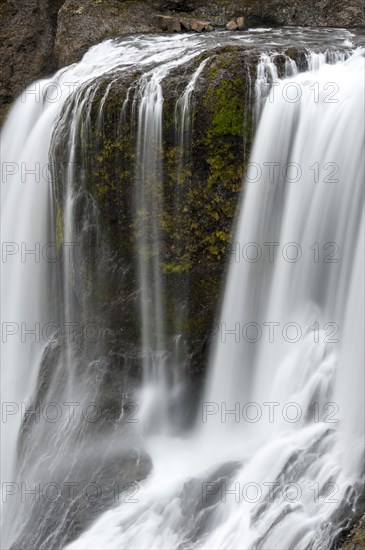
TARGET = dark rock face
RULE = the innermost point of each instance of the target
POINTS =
(27, 32)
(83, 24)
(325, 13)
(322, 13)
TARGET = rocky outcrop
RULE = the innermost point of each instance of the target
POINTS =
(83, 24)
(37, 38)
(201, 26)
(169, 23)
(236, 25)
(311, 13)
(322, 13)
(176, 24)
(27, 33)
(356, 539)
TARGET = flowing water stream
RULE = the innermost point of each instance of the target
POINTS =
(274, 457)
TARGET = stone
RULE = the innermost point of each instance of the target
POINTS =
(27, 34)
(232, 26)
(167, 23)
(199, 26)
(173, 24)
(185, 24)
(241, 23)
(158, 21)
(78, 30)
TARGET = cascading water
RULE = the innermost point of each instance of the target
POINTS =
(150, 199)
(301, 468)
(194, 496)
(304, 212)
(24, 300)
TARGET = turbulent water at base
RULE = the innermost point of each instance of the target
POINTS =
(229, 482)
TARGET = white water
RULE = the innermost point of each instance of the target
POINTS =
(26, 223)
(311, 455)
(149, 201)
(171, 512)
(24, 276)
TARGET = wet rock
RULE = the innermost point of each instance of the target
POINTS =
(356, 539)
(200, 498)
(232, 26)
(100, 481)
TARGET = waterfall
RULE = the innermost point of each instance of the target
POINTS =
(149, 199)
(289, 328)
(36, 313)
(283, 483)
(306, 298)
(25, 269)
(46, 302)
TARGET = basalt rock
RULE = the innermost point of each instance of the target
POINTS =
(311, 13)
(241, 23)
(175, 24)
(83, 24)
(355, 540)
(232, 26)
(167, 23)
(185, 24)
(201, 26)
(238, 25)
(27, 32)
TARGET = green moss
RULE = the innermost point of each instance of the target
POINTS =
(202, 184)
(228, 109)
(180, 267)
(356, 540)
(223, 146)
(59, 226)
